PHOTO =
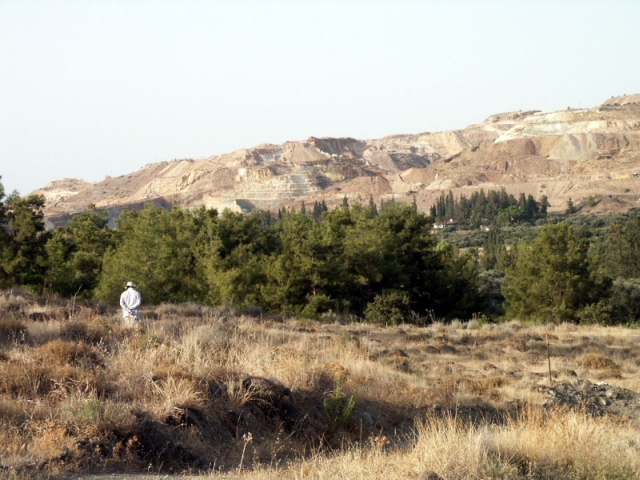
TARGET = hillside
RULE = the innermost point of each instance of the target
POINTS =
(200, 389)
(572, 153)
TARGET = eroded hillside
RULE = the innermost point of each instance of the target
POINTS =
(573, 153)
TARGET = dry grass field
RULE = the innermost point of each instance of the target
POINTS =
(215, 391)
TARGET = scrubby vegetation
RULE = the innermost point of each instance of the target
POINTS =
(320, 344)
(385, 265)
(203, 389)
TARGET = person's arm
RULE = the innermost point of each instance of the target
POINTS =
(137, 300)
(122, 302)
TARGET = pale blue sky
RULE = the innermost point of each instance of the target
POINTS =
(89, 89)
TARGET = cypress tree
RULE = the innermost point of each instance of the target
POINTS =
(544, 205)
(372, 207)
(532, 208)
(522, 202)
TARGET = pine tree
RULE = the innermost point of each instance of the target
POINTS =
(22, 241)
(156, 249)
(75, 254)
(622, 249)
(552, 278)
(450, 207)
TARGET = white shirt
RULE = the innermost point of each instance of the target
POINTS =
(130, 301)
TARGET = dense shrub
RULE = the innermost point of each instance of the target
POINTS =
(625, 300)
(389, 308)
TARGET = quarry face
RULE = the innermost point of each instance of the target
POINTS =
(573, 153)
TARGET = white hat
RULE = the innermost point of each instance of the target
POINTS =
(131, 284)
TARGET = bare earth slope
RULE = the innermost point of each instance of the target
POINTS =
(562, 154)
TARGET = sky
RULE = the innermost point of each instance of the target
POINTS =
(96, 88)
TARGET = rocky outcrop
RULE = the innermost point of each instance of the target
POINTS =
(596, 398)
(573, 153)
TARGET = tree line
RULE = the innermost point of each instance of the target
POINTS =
(488, 208)
(384, 264)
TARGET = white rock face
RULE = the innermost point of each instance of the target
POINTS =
(558, 154)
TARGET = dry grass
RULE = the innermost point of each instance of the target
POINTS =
(563, 445)
(187, 391)
(598, 361)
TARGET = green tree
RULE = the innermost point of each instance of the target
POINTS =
(544, 206)
(23, 237)
(457, 292)
(2, 206)
(232, 256)
(157, 250)
(389, 308)
(552, 278)
(532, 208)
(495, 254)
(411, 263)
(622, 249)
(625, 300)
(5, 238)
(373, 208)
(75, 253)
(300, 268)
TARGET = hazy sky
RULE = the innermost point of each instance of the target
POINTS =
(89, 89)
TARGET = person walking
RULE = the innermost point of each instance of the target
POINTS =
(130, 301)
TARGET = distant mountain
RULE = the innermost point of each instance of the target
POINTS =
(572, 153)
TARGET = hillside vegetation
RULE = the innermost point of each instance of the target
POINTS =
(384, 264)
(356, 342)
(204, 390)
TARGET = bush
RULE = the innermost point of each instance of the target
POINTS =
(625, 300)
(596, 313)
(391, 307)
(317, 304)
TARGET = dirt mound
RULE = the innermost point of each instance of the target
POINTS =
(189, 437)
(596, 398)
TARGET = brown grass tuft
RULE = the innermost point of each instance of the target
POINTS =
(11, 330)
(598, 361)
(62, 352)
